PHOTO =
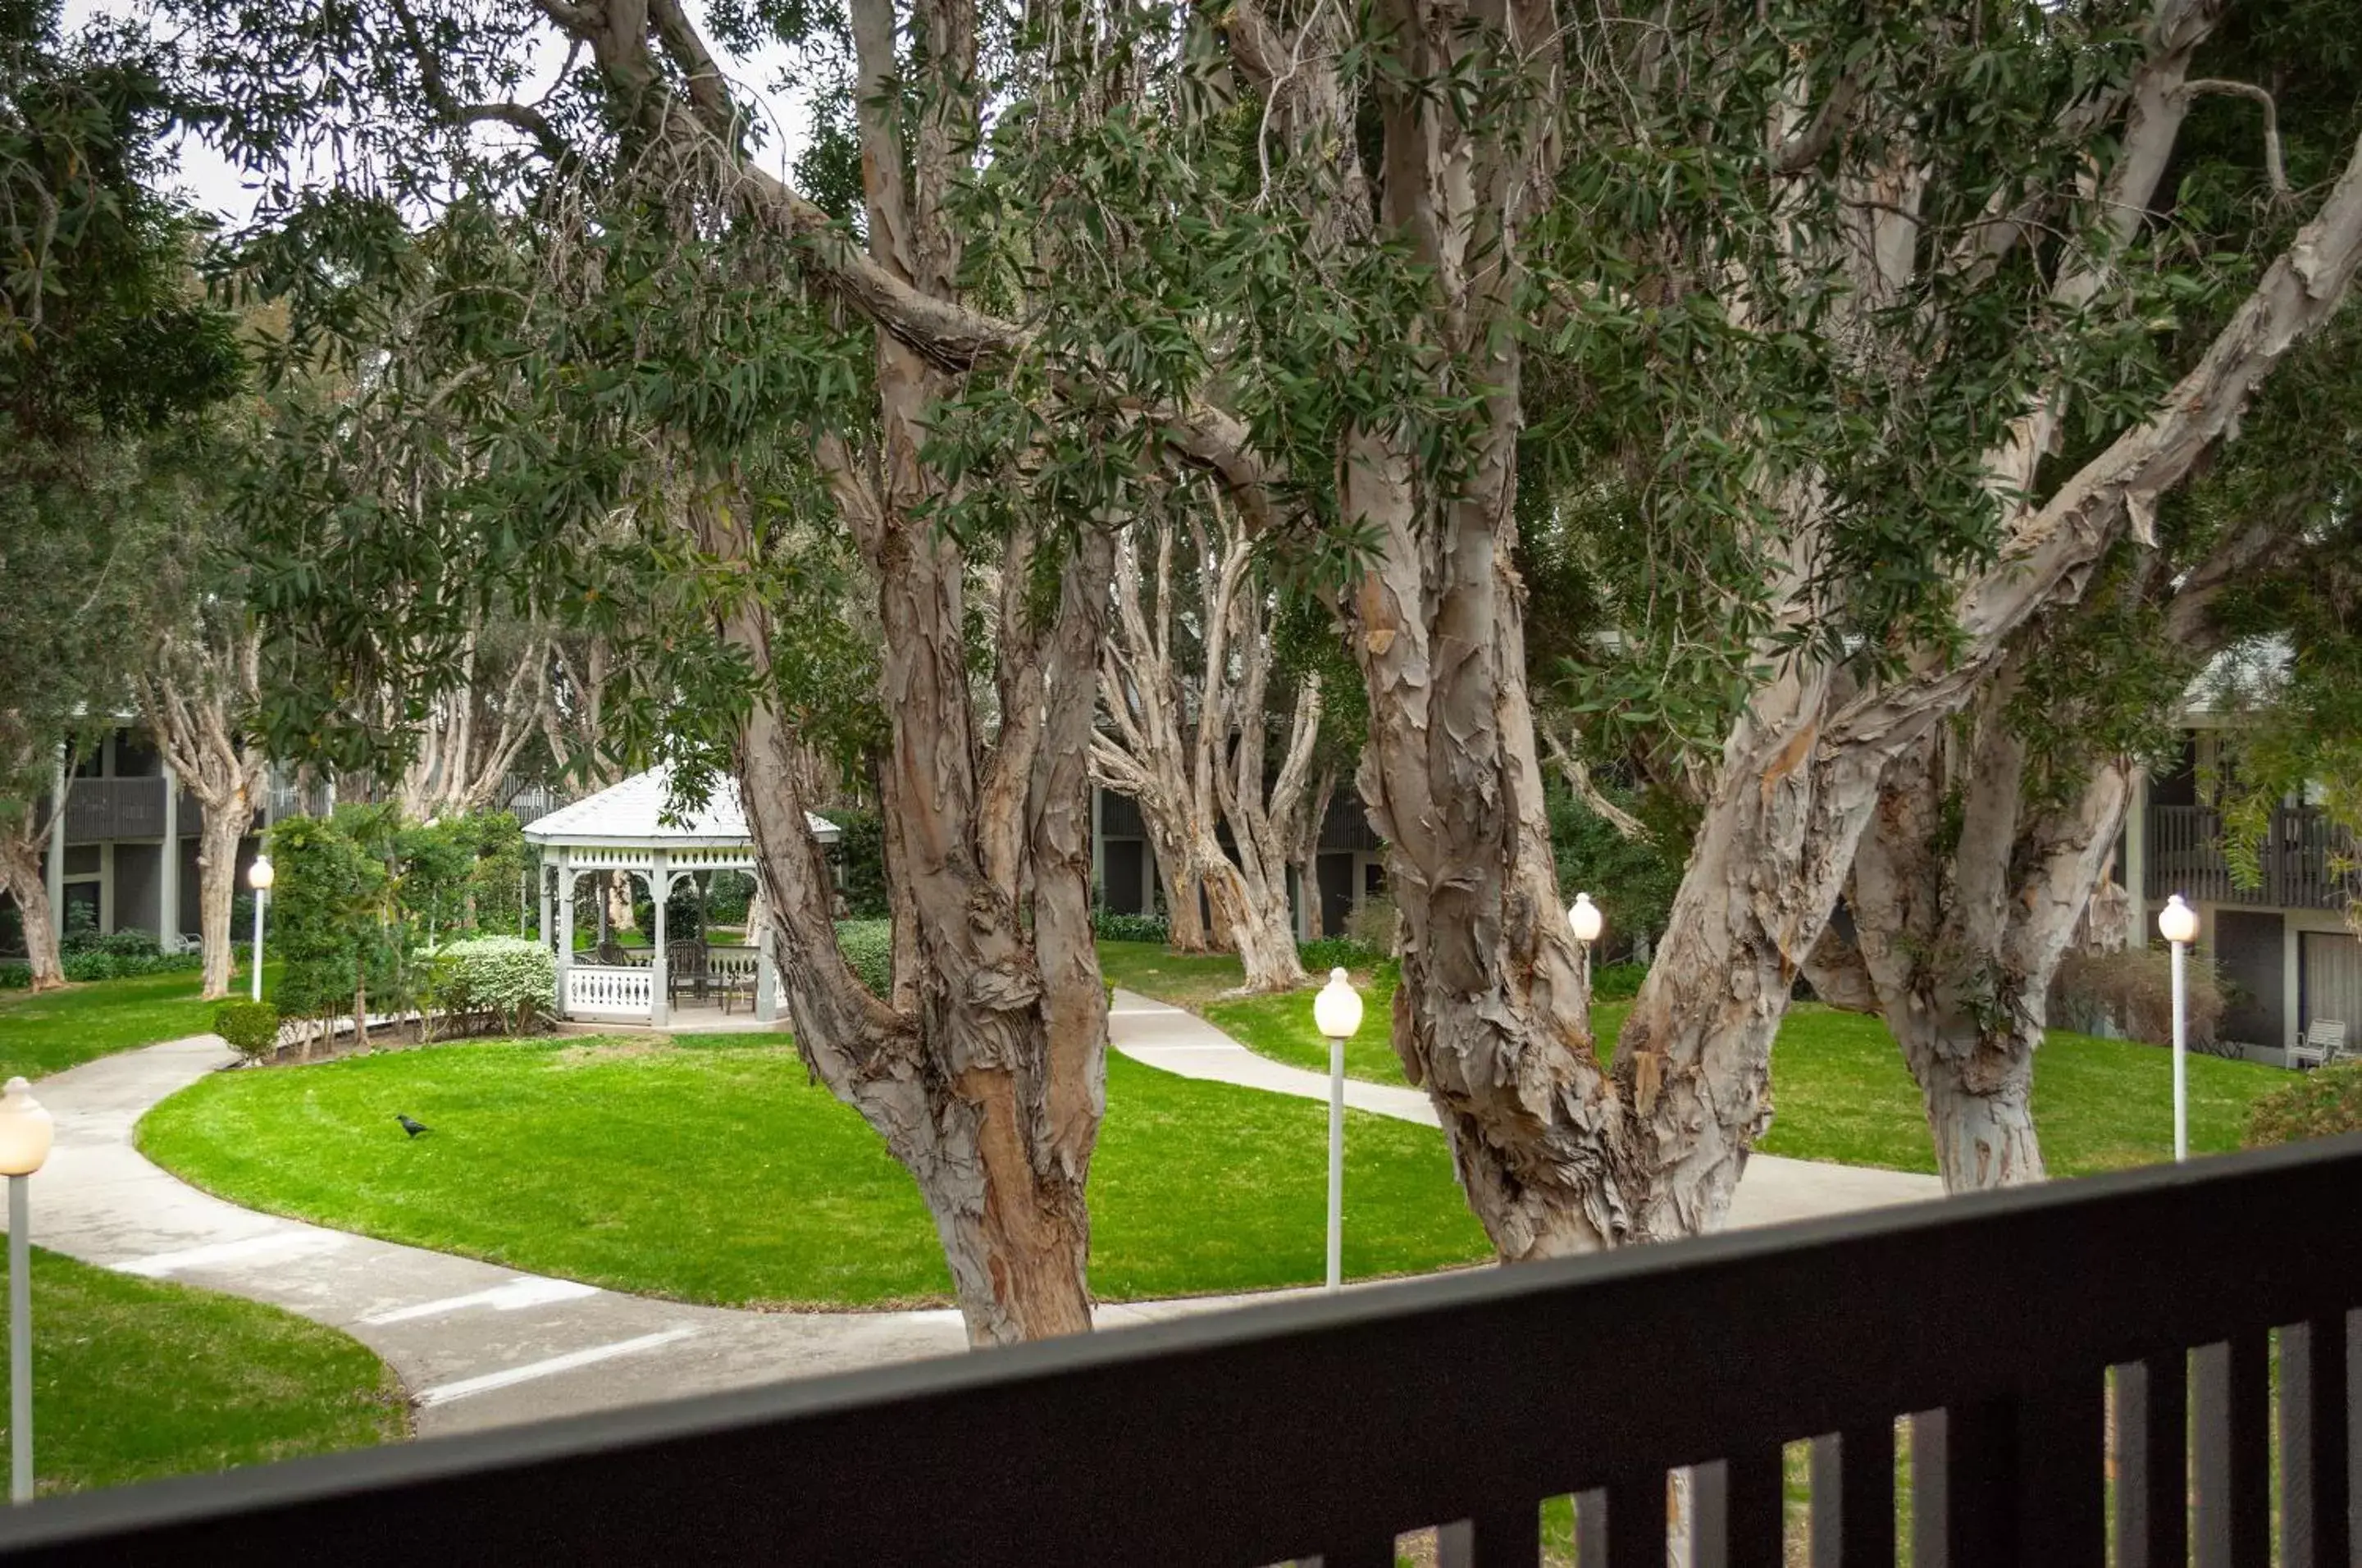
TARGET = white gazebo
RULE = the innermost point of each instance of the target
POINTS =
(629, 828)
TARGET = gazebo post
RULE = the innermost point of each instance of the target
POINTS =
(660, 889)
(767, 979)
(564, 923)
(541, 893)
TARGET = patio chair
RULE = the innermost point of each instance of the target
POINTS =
(2323, 1042)
(687, 966)
(611, 952)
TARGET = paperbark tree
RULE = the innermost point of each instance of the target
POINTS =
(1191, 745)
(105, 361)
(472, 734)
(198, 692)
(1987, 844)
(24, 837)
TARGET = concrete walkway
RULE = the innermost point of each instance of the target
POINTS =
(476, 1345)
(479, 1345)
(1773, 1191)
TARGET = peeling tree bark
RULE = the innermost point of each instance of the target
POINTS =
(20, 878)
(196, 693)
(1959, 928)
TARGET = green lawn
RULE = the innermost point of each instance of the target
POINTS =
(1838, 1085)
(133, 1380)
(51, 1030)
(710, 1169)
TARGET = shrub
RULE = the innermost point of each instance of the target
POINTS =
(868, 948)
(1617, 982)
(104, 966)
(1108, 925)
(129, 943)
(12, 930)
(507, 984)
(2318, 1104)
(1371, 924)
(2132, 993)
(250, 1027)
(16, 976)
(1326, 952)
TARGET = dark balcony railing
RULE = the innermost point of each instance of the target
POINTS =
(2185, 856)
(115, 808)
(2009, 1320)
(101, 809)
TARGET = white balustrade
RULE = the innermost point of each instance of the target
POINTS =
(608, 991)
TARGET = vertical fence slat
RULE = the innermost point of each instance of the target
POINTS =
(1506, 1538)
(1964, 1486)
(1636, 1522)
(1709, 1493)
(2153, 1462)
(2061, 1442)
(2315, 1529)
(1853, 1498)
(1755, 1509)
(2233, 1394)
(1590, 1529)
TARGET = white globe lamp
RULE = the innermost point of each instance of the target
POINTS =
(1336, 1013)
(26, 1134)
(2179, 926)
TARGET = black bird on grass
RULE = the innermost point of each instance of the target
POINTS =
(413, 1128)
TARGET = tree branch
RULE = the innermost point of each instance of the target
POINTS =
(1805, 147)
(2275, 170)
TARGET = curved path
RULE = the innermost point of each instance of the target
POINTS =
(480, 1345)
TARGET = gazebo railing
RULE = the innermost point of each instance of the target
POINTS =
(609, 989)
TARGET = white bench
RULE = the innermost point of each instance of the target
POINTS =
(2323, 1042)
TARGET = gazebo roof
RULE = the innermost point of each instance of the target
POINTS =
(631, 815)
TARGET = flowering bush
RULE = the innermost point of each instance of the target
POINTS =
(486, 985)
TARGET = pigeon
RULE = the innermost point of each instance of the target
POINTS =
(413, 1128)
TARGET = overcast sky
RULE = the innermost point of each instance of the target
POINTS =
(214, 184)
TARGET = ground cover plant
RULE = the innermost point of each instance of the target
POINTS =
(712, 1168)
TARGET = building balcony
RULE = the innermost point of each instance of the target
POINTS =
(102, 809)
(2299, 857)
(2088, 1362)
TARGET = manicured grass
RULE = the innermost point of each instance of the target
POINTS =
(1841, 1091)
(1184, 979)
(710, 1169)
(133, 1380)
(48, 1031)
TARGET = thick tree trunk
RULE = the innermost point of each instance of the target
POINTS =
(225, 826)
(1185, 909)
(1979, 1097)
(1960, 927)
(1259, 935)
(20, 873)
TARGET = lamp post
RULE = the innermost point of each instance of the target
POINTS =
(260, 876)
(25, 1135)
(1338, 1012)
(2179, 926)
(1583, 917)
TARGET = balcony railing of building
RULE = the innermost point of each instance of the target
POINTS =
(2297, 856)
(2060, 1352)
(102, 809)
